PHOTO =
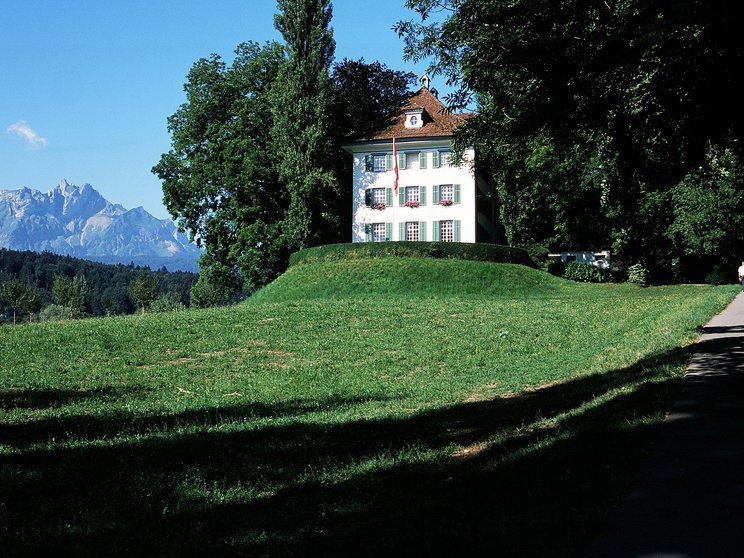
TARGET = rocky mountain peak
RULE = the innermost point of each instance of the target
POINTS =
(79, 221)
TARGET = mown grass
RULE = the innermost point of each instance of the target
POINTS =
(367, 408)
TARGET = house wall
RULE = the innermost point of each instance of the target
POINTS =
(413, 175)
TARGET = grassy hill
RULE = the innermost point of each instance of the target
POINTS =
(380, 407)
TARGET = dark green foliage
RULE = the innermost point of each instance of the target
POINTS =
(256, 170)
(479, 252)
(108, 285)
(220, 179)
(556, 267)
(20, 297)
(538, 253)
(367, 96)
(594, 118)
(583, 272)
(71, 295)
(144, 290)
(708, 211)
(302, 107)
(207, 292)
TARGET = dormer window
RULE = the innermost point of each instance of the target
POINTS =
(415, 118)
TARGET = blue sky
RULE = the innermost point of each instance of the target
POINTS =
(87, 85)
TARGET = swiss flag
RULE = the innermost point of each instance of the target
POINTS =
(395, 159)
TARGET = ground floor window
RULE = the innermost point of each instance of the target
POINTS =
(379, 232)
(447, 231)
(412, 231)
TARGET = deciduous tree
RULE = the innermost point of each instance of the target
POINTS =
(144, 290)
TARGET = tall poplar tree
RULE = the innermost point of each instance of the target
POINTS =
(303, 99)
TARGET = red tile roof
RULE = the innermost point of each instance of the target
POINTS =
(438, 121)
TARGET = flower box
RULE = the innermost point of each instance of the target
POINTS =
(445, 203)
(412, 204)
(379, 206)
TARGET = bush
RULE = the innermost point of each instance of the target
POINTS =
(583, 272)
(170, 302)
(538, 253)
(458, 250)
(637, 274)
(53, 313)
(718, 276)
(556, 267)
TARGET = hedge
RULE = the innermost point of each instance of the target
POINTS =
(458, 250)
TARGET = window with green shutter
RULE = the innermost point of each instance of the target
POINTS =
(456, 232)
(422, 159)
(422, 231)
(402, 161)
(368, 197)
(389, 231)
(389, 197)
(389, 161)
(457, 193)
(435, 159)
(368, 233)
(368, 163)
(401, 231)
(436, 230)
(435, 195)
(422, 195)
(401, 197)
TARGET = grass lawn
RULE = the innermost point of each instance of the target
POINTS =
(381, 407)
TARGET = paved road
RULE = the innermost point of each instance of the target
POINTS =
(689, 499)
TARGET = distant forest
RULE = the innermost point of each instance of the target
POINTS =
(108, 286)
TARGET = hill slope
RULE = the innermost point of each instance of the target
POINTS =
(412, 277)
(346, 400)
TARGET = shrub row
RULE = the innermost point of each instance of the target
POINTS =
(464, 251)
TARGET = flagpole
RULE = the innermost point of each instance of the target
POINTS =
(395, 189)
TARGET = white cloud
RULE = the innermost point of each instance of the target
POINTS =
(23, 130)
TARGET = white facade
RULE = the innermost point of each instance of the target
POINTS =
(444, 191)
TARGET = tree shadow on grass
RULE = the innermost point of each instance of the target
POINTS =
(497, 479)
(24, 398)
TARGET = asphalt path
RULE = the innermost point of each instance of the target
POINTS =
(689, 498)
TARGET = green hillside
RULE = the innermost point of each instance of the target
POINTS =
(412, 277)
(372, 407)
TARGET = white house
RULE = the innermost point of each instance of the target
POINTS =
(438, 198)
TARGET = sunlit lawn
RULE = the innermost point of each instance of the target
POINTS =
(398, 423)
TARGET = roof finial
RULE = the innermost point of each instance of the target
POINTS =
(425, 81)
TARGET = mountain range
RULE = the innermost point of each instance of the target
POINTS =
(78, 221)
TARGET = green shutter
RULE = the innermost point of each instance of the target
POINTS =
(389, 231)
(435, 225)
(389, 161)
(457, 193)
(436, 193)
(368, 198)
(422, 195)
(422, 231)
(402, 161)
(368, 233)
(402, 231)
(389, 197)
(401, 197)
(435, 160)
(457, 231)
(422, 159)
(368, 163)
